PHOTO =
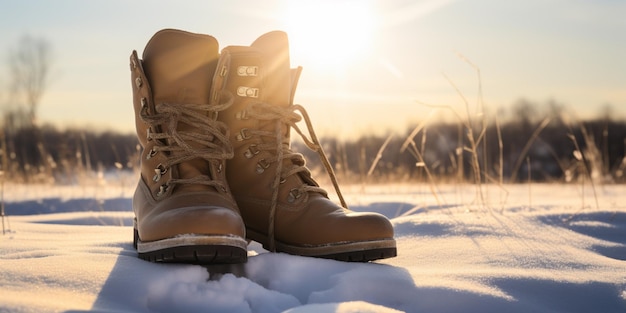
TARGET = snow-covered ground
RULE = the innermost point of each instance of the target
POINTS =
(518, 248)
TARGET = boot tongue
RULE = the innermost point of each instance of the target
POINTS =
(279, 82)
(180, 65)
(274, 46)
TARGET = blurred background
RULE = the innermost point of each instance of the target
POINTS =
(433, 90)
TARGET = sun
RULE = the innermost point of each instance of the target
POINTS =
(329, 33)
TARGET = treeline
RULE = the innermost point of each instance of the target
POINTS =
(512, 152)
(46, 154)
(518, 150)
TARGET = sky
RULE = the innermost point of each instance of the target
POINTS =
(369, 66)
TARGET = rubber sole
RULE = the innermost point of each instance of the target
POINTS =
(360, 251)
(193, 249)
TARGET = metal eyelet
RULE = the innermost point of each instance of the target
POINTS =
(159, 171)
(144, 107)
(248, 92)
(149, 134)
(294, 194)
(163, 189)
(133, 64)
(138, 82)
(220, 167)
(243, 135)
(247, 70)
(251, 152)
(151, 154)
(261, 166)
(241, 115)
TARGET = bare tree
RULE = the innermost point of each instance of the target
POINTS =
(29, 66)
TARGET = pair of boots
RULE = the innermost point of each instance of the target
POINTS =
(216, 166)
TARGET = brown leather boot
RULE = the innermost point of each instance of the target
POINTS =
(282, 206)
(184, 211)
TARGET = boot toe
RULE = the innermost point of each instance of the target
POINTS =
(324, 229)
(327, 223)
(195, 220)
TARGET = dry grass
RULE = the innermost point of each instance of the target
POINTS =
(590, 163)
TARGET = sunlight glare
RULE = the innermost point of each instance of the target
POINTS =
(329, 33)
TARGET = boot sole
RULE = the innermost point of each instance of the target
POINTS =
(193, 249)
(360, 251)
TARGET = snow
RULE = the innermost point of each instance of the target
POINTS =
(518, 248)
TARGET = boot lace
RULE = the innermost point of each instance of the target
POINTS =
(208, 138)
(289, 116)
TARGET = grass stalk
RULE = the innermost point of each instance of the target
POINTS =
(379, 155)
(530, 193)
(500, 162)
(421, 163)
(587, 171)
(2, 213)
(3, 171)
(527, 147)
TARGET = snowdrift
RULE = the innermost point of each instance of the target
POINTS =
(523, 248)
